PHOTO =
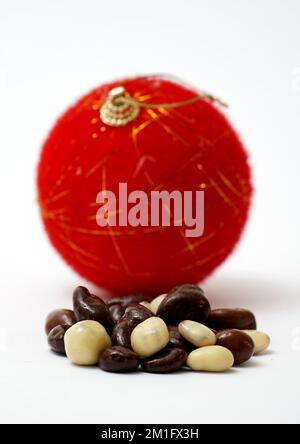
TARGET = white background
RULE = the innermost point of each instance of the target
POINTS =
(247, 52)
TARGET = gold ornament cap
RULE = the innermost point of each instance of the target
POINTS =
(119, 109)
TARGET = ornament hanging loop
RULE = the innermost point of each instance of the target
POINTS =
(120, 108)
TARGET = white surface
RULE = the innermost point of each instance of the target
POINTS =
(248, 52)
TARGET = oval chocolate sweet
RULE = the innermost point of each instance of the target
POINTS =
(56, 338)
(239, 343)
(89, 307)
(122, 332)
(59, 317)
(119, 360)
(166, 361)
(231, 318)
(186, 302)
(116, 312)
(137, 313)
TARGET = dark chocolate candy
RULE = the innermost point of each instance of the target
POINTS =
(122, 332)
(116, 311)
(119, 359)
(137, 313)
(239, 343)
(59, 317)
(56, 338)
(166, 361)
(224, 318)
(89, 307)
(186, 302)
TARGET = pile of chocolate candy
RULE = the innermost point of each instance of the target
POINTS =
(173, 331)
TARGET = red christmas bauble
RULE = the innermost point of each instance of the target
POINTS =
(190, 146)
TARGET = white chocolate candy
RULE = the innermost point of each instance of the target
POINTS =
(85, 341)
(210, 359)
(156, 302)
(149, 337)
(261, 340)
(196, 333)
